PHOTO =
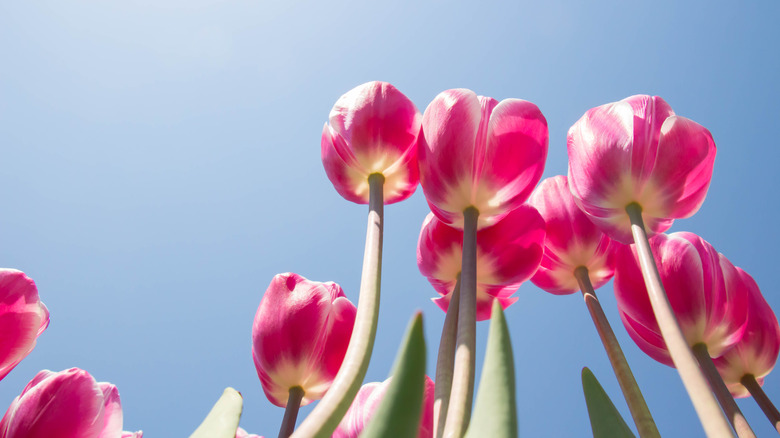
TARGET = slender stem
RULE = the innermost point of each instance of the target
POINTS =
(761, 398)
(444, 362)
(462, 392)
(325, 417)
(710, 415)
(291, 411)
(636, 402)
(738, 421)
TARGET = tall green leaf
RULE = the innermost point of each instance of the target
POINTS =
(398, 415)
(605, 420)
(495, 411)
(222, 421)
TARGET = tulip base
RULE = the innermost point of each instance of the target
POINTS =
(771, 412)
(710, 415)
(291, 412)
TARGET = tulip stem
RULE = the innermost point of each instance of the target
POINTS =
(636, 402)
(738, 421)
(325, 417)
(766, 405)
(291, 411)
(462, 392)
(710, 415)
(444, 362)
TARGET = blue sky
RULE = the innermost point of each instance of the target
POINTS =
(160, 163)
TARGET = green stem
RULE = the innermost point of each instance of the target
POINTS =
(325, 417)
(710, 415)
(444, 362)
(291, 411)
(462, 392)
(738, 421)
(766, 405)
(636, 402)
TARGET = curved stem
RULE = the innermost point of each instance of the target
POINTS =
(291, 411)
(636, 402)
(462, 392)
(710, 415)
(444, 362)
(325, 417)
(761, 398)
(738, 421)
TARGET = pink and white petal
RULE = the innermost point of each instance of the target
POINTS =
(515, 244)
(650, 112)
(112, 411)
(342, 169)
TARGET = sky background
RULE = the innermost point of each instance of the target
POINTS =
(159, 164)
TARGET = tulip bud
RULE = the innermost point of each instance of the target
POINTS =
(366, 403)
(373, 129)
(23, 317)
(300, 336)
(477, 152)
(707, 295)
(571, 241)
(756, 353)
(638, 151)
(67, 404)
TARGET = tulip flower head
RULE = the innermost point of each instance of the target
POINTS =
(372, 129)
(300, 336)
(708, 295)
(477, 152)
(571, 241)
(756, 352)
(66, 404)
(366, 403)
(638, 151)
(23, 317)
(508, 253)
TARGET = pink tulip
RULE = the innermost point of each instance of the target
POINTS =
(508, 253)
(67, 404)
(706, 292)
(23, 317)
(367, 401)
(638, 151)
(572, 241)
(478, 152)
(373, 129)
(241, 433)
(300, 336)
(756, 353)
(139, 434)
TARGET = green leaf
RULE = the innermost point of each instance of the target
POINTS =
(398, 415)
(222, 421)
(495, 411)
(605, 420)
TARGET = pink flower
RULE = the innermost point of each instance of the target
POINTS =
(638, 151)
(508, 253)
(23, 317)
(367, 401)
(300, 336)
(477, 152)
(241, 433)
(373, 129)
(572, 241)
(756, 353)
(139, 434)
(707, 294)
(67, 404)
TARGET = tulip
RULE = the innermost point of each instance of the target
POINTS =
(241, 433)
(571, 241)
(23, 317)
(139, 434)
(508, 253)
(756, 352)
(705, 290)
(65, 404)
(299, 337)
(372, 129)
(637, 151)
(478, 152)
(367, 401)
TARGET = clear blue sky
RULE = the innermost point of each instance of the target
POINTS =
(160, 163)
